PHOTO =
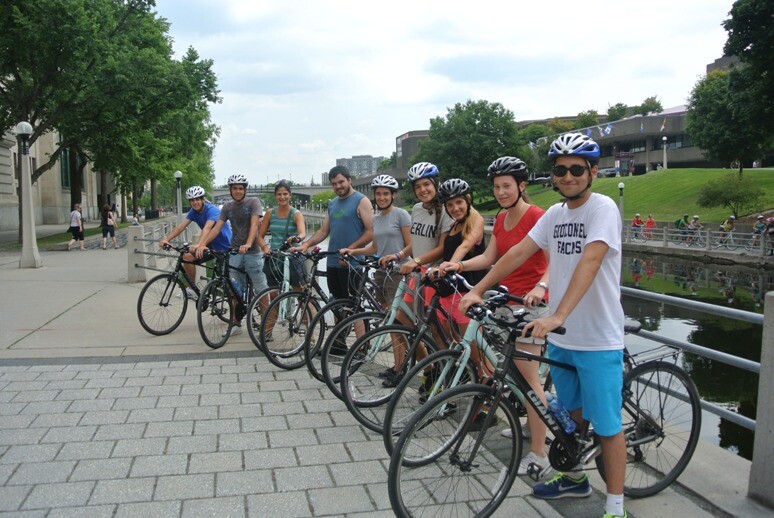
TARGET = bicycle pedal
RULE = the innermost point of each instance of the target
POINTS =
(535, 472)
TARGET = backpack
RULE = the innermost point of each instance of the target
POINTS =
(677, 222)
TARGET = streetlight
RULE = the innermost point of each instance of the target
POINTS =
(664, 141)
(620, 199)
(30, 257)
(178, 176)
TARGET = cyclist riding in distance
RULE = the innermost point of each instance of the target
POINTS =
(287, 225)
(243, 214)
(694, 226)
(205, 215)
(583, 237)
(758, 228)
(650, 224)
(682, 225)
(509, 177)
(727, 226)
(391, 226)
(637, 224)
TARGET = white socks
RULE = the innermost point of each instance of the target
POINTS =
(614, 505)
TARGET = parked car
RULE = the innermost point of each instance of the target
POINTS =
(607, 172)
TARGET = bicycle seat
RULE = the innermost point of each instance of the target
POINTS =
(632, 326)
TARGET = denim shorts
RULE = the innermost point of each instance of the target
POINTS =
(595, 386)
(253, 265)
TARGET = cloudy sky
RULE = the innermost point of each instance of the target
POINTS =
(306, 82)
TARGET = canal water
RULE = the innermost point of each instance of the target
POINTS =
(730, 286)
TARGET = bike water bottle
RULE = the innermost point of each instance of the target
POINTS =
(237, 288)
(560, 413)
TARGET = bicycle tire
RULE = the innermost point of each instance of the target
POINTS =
(213, 314)
(157, 316)
(285, 327)
(323, 322)
(339, 341)
(419, 385)
(362, 388)
(441, 479)
(658, 389)
(731, 244)
(255, 315)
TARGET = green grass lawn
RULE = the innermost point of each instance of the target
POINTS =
(666, 194)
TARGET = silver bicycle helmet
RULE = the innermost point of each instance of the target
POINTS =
(237, 179)
(453, 188)
(385, 180)
(422, 170)
(194, 192)
(508, 165)
(576, 144)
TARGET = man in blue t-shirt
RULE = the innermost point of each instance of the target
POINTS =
(348, 222)
(205, 215)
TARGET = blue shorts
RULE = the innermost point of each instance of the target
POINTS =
(253, 265)
(595, 387)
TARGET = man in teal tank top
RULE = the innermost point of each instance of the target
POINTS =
(348, 222)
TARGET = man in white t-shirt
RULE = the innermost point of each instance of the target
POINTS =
(583, 238)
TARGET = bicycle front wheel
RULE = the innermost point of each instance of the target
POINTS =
(373, 368)
(213, 314)
(162, 304)
(661, 424)
(438, 372)
(255, 312)
(322, 324)
(285, 327)
(451, 462)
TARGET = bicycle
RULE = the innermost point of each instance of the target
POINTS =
(726, 240)
(223, 302)
(638, 235)
(163, 301)
(285, 325)
(364, 379)
(753, 243)
(451, 459)
(693, 238)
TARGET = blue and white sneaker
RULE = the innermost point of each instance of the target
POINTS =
(562, 486)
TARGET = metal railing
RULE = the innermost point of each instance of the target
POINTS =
(143, 250)
(747, 242)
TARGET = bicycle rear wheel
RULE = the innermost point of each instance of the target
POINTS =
(285, 327)
(213, 314)
(322, 324)
(366, 382)
(427, 379)
(445, 466)
(661, 423)
(340, 340)
(162, 304)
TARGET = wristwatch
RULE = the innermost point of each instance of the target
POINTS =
(416, 260)
(542, 285)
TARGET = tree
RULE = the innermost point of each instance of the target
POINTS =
(616, 112)
(587, 118)
(648, 106)
(322, 198)
(468, 139)
(557, 126)
(739, 195)
(751, 39)
(389, 163)
(718, 121)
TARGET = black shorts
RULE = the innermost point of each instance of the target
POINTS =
(342, 282)
(77, 233)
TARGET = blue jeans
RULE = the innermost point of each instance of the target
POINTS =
(253, 265)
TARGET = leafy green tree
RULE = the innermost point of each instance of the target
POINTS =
(739, 195)
(464, 142)
(587, 118)
(532, 133)
(616, 112)
(751, 39)
(389, 163)
(557, 126)
(649, 105)
(719, 121)
(322, 198)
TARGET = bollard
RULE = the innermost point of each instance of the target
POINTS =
(762, 470)
(135, 274)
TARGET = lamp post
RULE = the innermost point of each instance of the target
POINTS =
(30, 257)
(664, 147)
(178, 176)
(620, 199)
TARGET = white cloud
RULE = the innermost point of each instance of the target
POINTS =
(306, 82)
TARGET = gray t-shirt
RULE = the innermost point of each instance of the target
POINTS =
(388, 236)
(423, 235)
(239, 214)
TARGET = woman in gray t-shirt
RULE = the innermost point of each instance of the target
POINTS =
(390, 236)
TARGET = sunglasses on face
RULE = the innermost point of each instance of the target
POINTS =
(575, 170)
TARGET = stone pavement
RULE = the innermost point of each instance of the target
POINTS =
(98, 418)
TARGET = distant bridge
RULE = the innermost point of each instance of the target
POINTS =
(303, 193)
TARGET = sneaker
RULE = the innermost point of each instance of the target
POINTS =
(541, 466)
(508, 432)
(478, 422)
(611, 515)
(235, 330)
(387, 373)
(392, 381)
(191, 294)
(562, 486)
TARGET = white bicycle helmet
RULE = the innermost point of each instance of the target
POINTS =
(732, 217)
(576, 144)
(637, 215)
(194, 192)
(508, 165)
(237, 179)
(696, 216)
(421, 170)
(453, 188)
(385, 180)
